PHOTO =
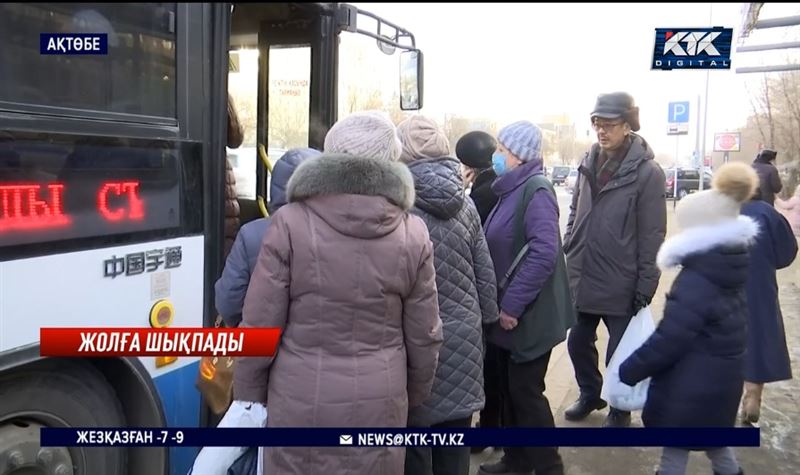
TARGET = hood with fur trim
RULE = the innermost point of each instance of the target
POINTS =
(358, 197)
(339, 174)
(739, 232)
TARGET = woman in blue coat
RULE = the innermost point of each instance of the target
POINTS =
(696, 355)
(231, 287)
(767, 358)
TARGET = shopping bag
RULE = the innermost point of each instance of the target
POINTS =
(618, 394)
(215, 379)
(247, 464)
(218, 460)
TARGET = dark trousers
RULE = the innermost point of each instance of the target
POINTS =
(439, 460)
(490, 414)
(583, 352)
(523, 404)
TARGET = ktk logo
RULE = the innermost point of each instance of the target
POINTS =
(692, 48)
(696, 43)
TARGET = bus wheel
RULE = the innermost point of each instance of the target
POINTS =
(56, 394)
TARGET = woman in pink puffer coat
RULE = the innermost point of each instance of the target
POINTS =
(791, 210)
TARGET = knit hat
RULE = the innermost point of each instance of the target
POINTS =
(364, 134)
(617, 105)
(475, 149)
(523, 139)
(421, 137)
(733, 185)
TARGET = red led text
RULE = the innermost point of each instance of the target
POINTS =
(133, 209)
(33, 206)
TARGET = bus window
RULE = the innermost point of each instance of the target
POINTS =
(289, 95)
(137, 76)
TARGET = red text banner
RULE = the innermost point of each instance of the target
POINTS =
(116, 342)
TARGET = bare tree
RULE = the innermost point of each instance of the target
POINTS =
(776, 119)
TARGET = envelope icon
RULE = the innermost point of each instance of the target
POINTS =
(345, 439)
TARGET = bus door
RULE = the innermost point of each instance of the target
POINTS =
(284, 77)
(284, 72)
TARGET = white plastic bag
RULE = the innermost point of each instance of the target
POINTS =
(217, 460)
(618, 394)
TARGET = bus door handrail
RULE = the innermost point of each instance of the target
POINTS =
(262, 154)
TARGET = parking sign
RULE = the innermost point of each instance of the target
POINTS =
(678, 112)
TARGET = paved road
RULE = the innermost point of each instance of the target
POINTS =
(780, 450)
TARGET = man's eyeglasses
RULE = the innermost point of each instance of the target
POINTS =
(607, 126)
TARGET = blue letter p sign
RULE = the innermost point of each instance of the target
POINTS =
(678, 112)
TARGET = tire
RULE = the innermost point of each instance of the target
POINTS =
(67, 394)
(682, 193)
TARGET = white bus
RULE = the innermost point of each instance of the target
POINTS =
(111, 205)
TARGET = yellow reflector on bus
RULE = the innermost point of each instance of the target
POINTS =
(165, 360)
(162, 314)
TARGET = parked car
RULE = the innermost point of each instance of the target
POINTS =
(569, 182)
(559, 175)
(688, 181)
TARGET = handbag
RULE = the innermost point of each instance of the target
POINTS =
(215, 379)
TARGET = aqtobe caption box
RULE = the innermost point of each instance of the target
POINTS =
(73, 43)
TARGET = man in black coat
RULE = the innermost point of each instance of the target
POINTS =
(617, 222)
(475, 150)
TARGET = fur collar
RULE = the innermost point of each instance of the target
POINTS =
(741, 231)
(335, 174)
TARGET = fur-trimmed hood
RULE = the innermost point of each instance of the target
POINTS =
(338, 174)
(697, 240)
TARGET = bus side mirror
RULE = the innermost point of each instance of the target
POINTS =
(411, 80)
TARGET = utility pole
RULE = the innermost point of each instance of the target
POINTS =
(705, 111)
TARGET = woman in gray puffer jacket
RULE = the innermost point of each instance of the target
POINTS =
(467, 293)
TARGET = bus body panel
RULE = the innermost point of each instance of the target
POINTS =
(73, 286)
(70, 290)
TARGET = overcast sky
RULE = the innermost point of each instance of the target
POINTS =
(524, 61)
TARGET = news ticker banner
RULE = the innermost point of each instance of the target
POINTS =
(406, 437)
(116, 342)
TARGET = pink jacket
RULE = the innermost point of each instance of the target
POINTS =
(348, 275)
(791, 210)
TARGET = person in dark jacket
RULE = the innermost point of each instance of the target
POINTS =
(467, 293)
(617, 222)
(767, 358)
(475, 150)
(235, 139)
(535, 306)
(231, 287)
(696, 355)
(769, 179)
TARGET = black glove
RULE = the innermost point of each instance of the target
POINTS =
(640, 301)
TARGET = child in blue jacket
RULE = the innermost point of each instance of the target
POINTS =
(231, 287)
(696, 356)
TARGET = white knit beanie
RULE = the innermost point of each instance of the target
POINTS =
(733, 184)
(364, 134)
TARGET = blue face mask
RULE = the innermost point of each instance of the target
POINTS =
(499, 163)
